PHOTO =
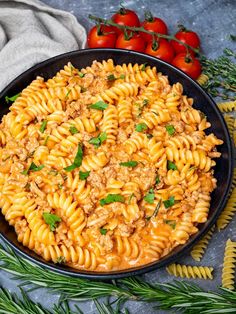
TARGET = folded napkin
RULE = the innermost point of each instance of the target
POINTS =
(30, 32)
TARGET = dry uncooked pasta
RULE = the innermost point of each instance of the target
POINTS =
(228, 270)
(228, 212)
(203, 79)
(199, 249)
(105, 168)
(187, 271)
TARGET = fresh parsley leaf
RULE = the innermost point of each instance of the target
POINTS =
(170, 129)
(122, 76)
(111, 77)
(51, 220)
(99, 105)
(83, 89)
(68, 93)
(170, 202)
(145, 102)
(141, 127)
(97, 141)
(171, 223)
(149, 197)
(81, 74)
(73, 130)
(84, 175)
(103, 231)
(53, 172)
(60, 260)
(143, 68)
(157, 209)
(111, 198)
(130, 198)
(12, 98)
(77, 161)
(157, 180)
(33, 167)
(46, 140)
(60, 186)
(43, 126)
(131, 163)
(171, 165)
(149, 136)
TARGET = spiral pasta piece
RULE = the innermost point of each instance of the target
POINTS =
(186, 271)
(228, 270)
(228, 212)
(202, 79)
(199, 249)
(227, 106)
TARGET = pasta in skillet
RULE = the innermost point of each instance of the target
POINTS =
(105, 168)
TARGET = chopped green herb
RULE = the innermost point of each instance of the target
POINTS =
(99, 105)
(73, 130)
(51, 220)
(83, 89)
(103, 231)
(157, 209)
(53, 172)
(81, 74)
(12, 98)
(150, 196)
(171, 165)
(60, 186)
(141, 127)
(170, 129)
(111, 198)
(171, 223)
(97, 141)
(143, 68)
(145, 102)
(43, 126)
(130, 198)
(33, 167)
(84, 175)
(46, 140)
(157, 179)
(60, 260)
(131, 163)
(170, 202)
(155, 113)
(77, 161)
(122, 76)
(111, 77)
(27, 186)
(68, 93)
(149, 136)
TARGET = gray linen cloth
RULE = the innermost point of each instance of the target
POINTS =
(30, 32)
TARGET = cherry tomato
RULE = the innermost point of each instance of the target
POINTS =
(188, 64)
(125, 17)
(153, 24)
(131, 42)
(188, 37)
(160, 49)
(102, 36)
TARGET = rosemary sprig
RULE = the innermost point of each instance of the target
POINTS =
(69, 287)
(222, 75)
(12, 304)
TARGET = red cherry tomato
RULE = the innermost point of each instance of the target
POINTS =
(188, 37)
(161, 49)
(153, 24)
(102, 36)
(135, 42)
(125, 17)
(188, 64)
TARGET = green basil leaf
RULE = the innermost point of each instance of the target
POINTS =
(46, 140)
(43, 126)
(145, 102)
(68, 93)
(112, 198)
(70, 168)
(103, 231)
(12, 98)
(131, 163)
(171, 223)
(149, 198)
(97, 141)
(73, 130)
(111, 77)
(141, 127)
(143, 68)
(99, 105)
(171, 165)
(157, 180)
(170, 129)
(84, 175)
(77, 161)
(51, 220)
(122, 76)
(170, 202)
(81, 74)
(33, 167)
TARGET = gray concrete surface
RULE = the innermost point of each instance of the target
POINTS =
(214, 20)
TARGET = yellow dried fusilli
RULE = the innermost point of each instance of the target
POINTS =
(186, 271)
(199, 249)
(228, 270)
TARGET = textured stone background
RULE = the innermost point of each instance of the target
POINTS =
(214, 20)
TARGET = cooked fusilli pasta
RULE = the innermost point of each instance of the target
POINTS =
(107, 167)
